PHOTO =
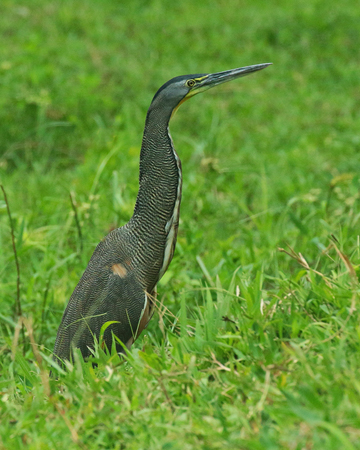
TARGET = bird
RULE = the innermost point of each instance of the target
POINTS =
(117, 291)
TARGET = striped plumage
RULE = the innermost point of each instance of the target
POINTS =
(120, 279)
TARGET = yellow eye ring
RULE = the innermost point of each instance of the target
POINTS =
(190, 83)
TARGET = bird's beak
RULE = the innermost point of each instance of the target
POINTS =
(208, 81)
(213, 79)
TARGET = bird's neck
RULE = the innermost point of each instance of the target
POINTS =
(160, 173)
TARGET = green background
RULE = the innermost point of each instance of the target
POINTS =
(256, 349)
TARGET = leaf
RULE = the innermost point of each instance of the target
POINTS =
(26, 369)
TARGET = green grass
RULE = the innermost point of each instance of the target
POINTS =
(258, 348)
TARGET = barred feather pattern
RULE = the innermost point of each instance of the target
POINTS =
(126, 266)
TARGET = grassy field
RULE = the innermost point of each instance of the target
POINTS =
(252, 347)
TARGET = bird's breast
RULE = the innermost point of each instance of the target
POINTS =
(171, 227)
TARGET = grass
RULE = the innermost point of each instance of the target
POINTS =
(252, 347)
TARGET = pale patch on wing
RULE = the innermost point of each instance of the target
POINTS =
(119, 269)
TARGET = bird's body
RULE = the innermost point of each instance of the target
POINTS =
(127, 264)
(119, 282)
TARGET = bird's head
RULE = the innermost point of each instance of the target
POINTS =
(179, 89)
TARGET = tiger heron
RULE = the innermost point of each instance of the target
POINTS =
(120, 280)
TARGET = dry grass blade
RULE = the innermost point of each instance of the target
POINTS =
(299, 258)
(18, 311)
(43, 372)
(355, 283)
(163, 310)
(218, 363)
(73, 432)
(78, 227)
(345, 259)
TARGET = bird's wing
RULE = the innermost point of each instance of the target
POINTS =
(106, 292)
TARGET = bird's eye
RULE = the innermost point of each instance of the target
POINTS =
(190, 83)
